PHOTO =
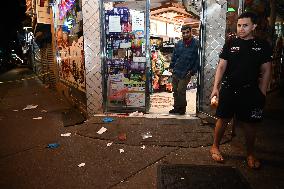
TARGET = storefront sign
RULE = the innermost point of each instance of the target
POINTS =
(114, 24)
(138, 21)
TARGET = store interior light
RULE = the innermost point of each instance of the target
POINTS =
(230, 9)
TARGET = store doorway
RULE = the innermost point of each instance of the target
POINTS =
(166, 20)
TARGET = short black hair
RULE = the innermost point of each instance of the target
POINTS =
(185, 27)
(250, 15)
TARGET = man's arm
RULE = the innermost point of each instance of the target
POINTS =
(218, 77)
(265, 70)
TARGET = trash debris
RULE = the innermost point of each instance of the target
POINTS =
(109, 144)
(181, 178)
(107, 119)
(102, 130)
(81, 164)
(31, 106)
(136, 113)
(44, 111)
(53, 145)
(15, 110)
(66, 134)
(121, 150)
(122, 136)
(37, 118)
(143, 147)
(146, 135)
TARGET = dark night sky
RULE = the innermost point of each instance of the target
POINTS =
(12, 14)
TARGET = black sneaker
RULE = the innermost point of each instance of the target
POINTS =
(174, 111)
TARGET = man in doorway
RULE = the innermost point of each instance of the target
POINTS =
(240, 85)
(185, 63)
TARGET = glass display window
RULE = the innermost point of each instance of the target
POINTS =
(124, 58)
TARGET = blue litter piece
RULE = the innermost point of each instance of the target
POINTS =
(53, 145)
(107, 119)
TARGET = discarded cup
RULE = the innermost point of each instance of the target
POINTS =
(53, 145)
(107, 119)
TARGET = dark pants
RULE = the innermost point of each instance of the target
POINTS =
(179, 89)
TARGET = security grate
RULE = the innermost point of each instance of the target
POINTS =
(214, 26)
(92, 40)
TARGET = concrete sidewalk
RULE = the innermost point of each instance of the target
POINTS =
(127, 154)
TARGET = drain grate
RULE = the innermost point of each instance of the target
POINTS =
(200, 177)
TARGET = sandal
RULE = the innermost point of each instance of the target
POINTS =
(216, 156)
(253, 163)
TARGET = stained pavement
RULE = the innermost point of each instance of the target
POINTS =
(25, 162)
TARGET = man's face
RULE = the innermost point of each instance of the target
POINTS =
(245, 28)
(186, 34)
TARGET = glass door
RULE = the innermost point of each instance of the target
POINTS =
(125, 55)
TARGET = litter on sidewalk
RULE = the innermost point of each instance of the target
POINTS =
(121, 150)
(66, 135)
(81, 164)
(107, 119)
(53, 145)
(31, 106)
(102, 130)
(37, 118)
(146, 135)
(143, 147)
(136, 113)
(109, 144)
(44, 111)
(15, 110)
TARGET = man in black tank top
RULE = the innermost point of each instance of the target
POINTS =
(240, 85)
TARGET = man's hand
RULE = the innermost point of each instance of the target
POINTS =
(215, 92)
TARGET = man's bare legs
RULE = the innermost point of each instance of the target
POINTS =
(219, 131)
(250, 135)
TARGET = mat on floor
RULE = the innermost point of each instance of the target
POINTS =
(200, 177)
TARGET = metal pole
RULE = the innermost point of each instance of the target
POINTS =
(148, 63)
(241, 7)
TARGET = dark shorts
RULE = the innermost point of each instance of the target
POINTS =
(245, 103)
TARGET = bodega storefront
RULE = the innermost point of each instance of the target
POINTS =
(103, 51)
